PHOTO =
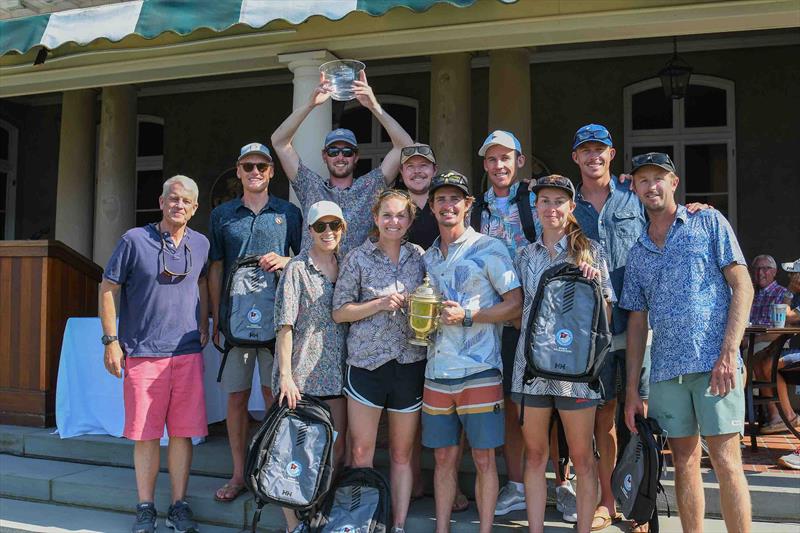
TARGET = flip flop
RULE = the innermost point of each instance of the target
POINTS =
(230, 492)
(460, 504)
(605, 516)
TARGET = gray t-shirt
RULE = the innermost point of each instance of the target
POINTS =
(158, 312)
(356, 202)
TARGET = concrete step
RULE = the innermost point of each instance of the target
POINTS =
(20, 516)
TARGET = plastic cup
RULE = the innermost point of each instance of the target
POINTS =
(340, 74)
(778, 315)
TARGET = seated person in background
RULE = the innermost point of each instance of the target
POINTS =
(763, 369)
(768, 292)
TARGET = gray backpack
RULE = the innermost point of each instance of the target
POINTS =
(359, 502)
(568, 334)
(290, 458)
(249, 318)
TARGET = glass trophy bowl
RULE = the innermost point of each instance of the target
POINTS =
(340, 74)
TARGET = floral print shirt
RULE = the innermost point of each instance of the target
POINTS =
(503, 222)
(366, 274)
(684, 291)
(531, 263)
(356, 202)
(303, 301)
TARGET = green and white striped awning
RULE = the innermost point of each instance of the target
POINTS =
(151, 18)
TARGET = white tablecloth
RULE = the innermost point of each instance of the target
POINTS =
(89, 399)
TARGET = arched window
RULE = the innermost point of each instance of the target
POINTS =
(9, 136)
(373, 141)
(149, 168)
(698, 132)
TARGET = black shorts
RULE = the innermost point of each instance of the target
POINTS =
(392, 385)
(508, 351)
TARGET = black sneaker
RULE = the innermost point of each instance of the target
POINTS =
(179, 518)
(145, 518)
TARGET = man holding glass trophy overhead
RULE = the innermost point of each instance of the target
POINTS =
(340, 154)
(479, 288)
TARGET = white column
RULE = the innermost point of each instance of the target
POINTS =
(451, 111)
(76, 155)
(310, 136)
(510, 96)
(115, 196)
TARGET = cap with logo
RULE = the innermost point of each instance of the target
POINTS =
(254, 148)
(592, 132)
(422, 150)
(324, 208)
(341, 135)
(451, 178)
(501, 138)
(554, 181)
(657, 159)
(791, 267)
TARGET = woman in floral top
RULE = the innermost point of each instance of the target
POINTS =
(310, 346)
(561, 241)
(383, 369)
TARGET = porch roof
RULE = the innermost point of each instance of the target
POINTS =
(151, 18)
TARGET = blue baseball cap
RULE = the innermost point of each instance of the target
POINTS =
(254, 148)
(592, 132)
(503, 138)
(341, 135)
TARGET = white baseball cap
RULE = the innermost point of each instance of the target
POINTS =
(324, 208)
(791, 267)
(503, 138)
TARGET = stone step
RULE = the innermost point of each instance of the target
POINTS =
(20, 516)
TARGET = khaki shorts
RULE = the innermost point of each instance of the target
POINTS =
(239, 368)
(684, 406)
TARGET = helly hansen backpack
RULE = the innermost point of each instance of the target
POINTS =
(568, 334)
(636, 480)
(290, 458)
(249, 318)
(359, 502)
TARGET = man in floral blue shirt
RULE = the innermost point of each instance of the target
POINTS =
(687, 274)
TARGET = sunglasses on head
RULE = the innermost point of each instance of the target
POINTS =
(319, 226)
(556, 181)
(333, 151)
(408, 151)
(592, 135)
(655, 158)
(248, 167)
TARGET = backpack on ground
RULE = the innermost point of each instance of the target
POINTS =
(360, 501)
(290, 458)
(636, 480)
(248, 319)
(523, 200)
(568, 334)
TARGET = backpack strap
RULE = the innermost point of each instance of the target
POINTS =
(523, 201)
(476, 213)
(224, 352)
(256, 515)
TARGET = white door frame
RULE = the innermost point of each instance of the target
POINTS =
(9, 166)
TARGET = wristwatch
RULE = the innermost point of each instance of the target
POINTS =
(467, 322)
(108, 339)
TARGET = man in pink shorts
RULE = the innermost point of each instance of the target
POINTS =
(158, 271)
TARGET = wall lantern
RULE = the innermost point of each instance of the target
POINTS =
(675, 75)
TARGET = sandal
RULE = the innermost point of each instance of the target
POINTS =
(640, 528)
(460, 504)
(229, 492)
(606, 518)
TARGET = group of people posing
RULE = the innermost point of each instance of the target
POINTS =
(674, 279)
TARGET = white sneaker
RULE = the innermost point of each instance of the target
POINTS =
(510, 498)
(566, 504)
(791, 460)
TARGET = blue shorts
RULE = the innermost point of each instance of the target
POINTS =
(474, 403)
(613, 376)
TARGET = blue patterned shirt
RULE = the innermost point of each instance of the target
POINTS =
(684, 290)
(504, 222)
(616, 227)
(475, 273)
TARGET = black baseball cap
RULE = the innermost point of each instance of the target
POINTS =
(554, 181)
(452, 178)
(657, 159)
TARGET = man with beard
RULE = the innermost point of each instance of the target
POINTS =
(340, 154)
(417, 168)
(255, 224)
(687, 276)
(463, 377)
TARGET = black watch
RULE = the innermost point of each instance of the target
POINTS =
(467, 322)
(108, 339)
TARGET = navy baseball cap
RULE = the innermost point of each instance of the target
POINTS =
(341, 135)
(592, 132)
(652, 158)
(254, 148)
